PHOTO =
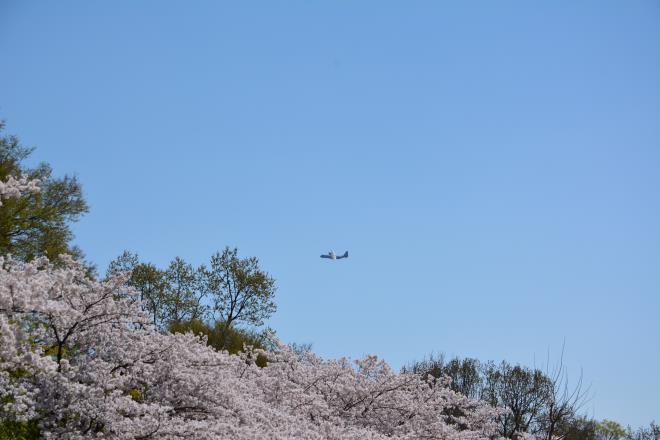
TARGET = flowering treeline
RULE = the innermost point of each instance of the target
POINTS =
(80, 358)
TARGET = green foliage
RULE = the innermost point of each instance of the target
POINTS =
(239, 289)
(136, 395)
(37, 224)
(14, 430)
(221, 337)
(610, 430)
(148, 280)
(465, 374)
(17, 373)
(183, 297)
(126, 262)
(54, 349)
(580, 428)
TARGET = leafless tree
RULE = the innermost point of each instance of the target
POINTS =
(563, 402)
(522, 390)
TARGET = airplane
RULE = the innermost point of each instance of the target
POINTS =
(331, 255)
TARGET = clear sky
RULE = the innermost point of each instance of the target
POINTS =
(493, 167)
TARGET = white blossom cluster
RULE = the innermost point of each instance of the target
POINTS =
(15, 187)
(78, 355)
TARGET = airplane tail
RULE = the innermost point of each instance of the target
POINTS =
(345, 255)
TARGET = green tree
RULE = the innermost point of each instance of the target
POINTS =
(37, 224)
(239, 290)
(182, 295)
(465, 374)
(610, 430)
(578, 428)
(205, 301)
(126, 262)
(148, 280)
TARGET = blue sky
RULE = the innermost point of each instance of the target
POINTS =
(492, 167)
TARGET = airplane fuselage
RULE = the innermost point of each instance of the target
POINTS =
(332, 256)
